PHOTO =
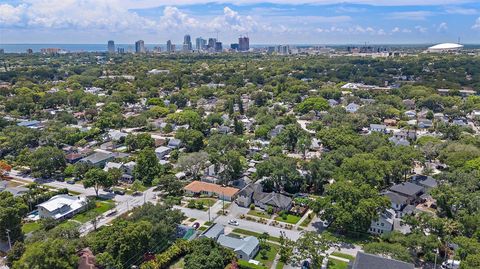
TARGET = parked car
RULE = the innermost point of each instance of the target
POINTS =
(196, 225)
(119, 192)
(112, 212)
(306, 265)
(233, 222)
(107, 189)
(451, 264)
(71, 181)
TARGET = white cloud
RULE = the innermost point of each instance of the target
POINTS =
(461, 11)
(173, 18)
(476, 26)
(411, 15)
(231, 20)
(442, 27)
(421, 29)
(10, 15)
(133, 4)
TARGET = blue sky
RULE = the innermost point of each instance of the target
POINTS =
(266, 22)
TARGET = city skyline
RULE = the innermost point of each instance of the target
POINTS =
(265, 22)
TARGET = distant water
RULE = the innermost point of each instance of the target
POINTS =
(22, 48)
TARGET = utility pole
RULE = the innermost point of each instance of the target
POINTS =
(9, 241)
(436, 254)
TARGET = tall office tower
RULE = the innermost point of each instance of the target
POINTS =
(211, 43)
(29, 51)
(140, 46)
(234, 46)
(187, 43)
(120, 50)
(111, 46)
(218, 46)
(200, 43)
(169, 46)
(243, 43)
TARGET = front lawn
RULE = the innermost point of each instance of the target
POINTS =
(343, 255)
(208, 202)
(269, 257)
(336, 264)
(100, 208)
(260, 214)
(307, 220)
(292, 219)
(31, 227)
(247, 232)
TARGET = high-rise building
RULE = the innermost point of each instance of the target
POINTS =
(234, 46)
(211, 43)
(187, 43)
(218, 46)
(120, 50)
(29, 51)
(243, 43)
(111, 46)
(200, 44)
(140, 46)
(169, 46)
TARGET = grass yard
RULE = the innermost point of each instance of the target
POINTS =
(279, 265)
(343, 255)
(101, 207)
(31, 227)
(307, 220)
(192, 219)
(336, 264)
(207, 202)
(292, 219)
(269, 257)
(260, 214)
(202, 228)
(247, 232)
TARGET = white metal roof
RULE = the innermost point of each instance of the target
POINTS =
(446, 46)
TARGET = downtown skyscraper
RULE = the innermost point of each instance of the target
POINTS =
(243, 43)
(187, 43)
(140, 46)
(111, 46)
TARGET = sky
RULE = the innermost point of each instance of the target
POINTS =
(264, 21)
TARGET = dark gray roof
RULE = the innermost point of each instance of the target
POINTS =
(273, 199)
(250, 189)
(429, 182)
(369, 261)
(98, 157)
(396, 198)
(407, 188)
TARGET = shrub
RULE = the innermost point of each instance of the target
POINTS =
(252, 206)
(191, 204)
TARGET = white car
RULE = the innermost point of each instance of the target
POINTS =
(233, 222)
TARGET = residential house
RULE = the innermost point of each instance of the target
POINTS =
(244, 248)
(384, 224)
(32, 124)
(174, 143)
(409, 103)
(276, 131)
(425, 123)
(370, 261)
(212, 174)
(410, 114)
(427, 182)
(162, 151)
(398, 202)
(61, 206)
(213, 232)
(352, 107)
(253, 193)
(210, 189)
(333, 102)
(390, 122)
(410, 190)
(399, 141)
(98, 158)
(378, 128)
(73, 157)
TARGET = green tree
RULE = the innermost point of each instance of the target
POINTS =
(147, 167)
(395, 251)
(48, 254)
(193, 163)
(207, 254)
(192, 139)
(311, 246)
(97, 178)
(312, 103)
(12, 210)
(45, 161)
(139, 141)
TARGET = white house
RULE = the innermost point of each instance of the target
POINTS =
(162, 151)
(381, 128)
(245, 248)
(61, 206)
(352, 107)
(384, 224)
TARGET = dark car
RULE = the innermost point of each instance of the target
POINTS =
(71, 182)
(108, 190)
(119, 192)
(306, 265)
(196, 225)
